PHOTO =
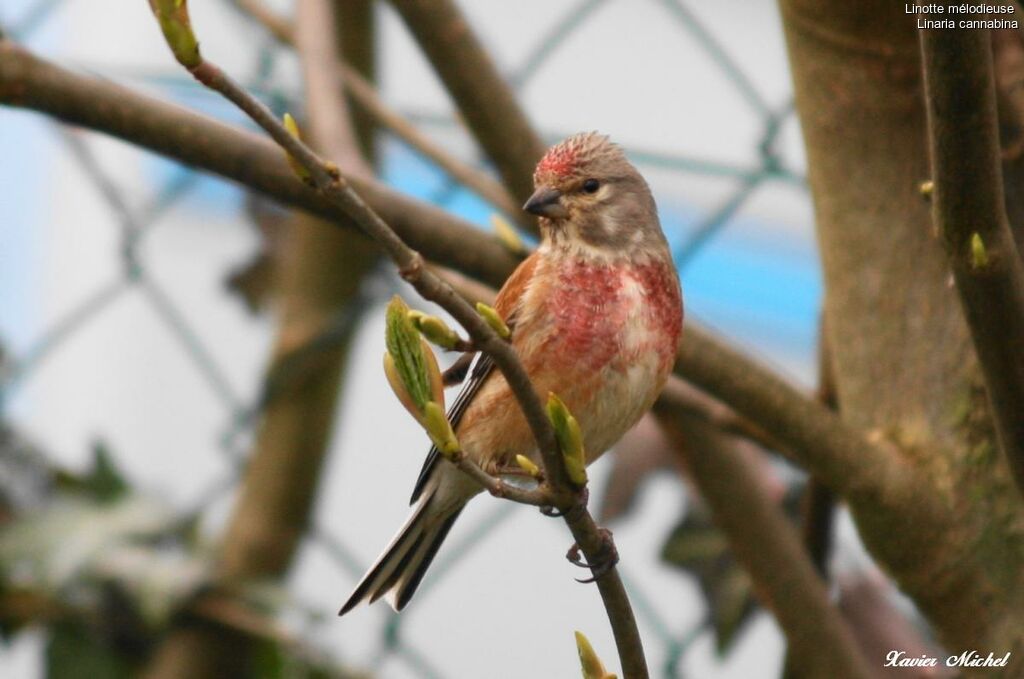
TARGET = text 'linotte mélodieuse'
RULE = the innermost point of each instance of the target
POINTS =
(936, 15)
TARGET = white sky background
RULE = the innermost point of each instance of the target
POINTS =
(631, 72)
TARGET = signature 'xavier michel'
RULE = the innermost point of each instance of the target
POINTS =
(596, 315)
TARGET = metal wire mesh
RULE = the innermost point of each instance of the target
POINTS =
(241, 411)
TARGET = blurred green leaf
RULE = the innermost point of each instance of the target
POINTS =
(103, 482)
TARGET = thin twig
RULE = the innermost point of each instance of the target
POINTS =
(819, 503)
(365, 95)
(538, 497)
(968, 210)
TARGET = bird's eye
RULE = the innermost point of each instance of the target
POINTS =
(591, 185)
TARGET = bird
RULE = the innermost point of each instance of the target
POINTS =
(595, 314)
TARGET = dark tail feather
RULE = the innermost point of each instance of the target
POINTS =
(399, 570)
(407, 586)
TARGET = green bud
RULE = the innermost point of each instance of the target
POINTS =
(177, 29)
(494, 320)
(508, 236)
(440, 430)
(979, 255)
(434, 329)
(527, 465)
(293, 129)
(927, 188)
(414, 363)
(570, 440)
(592, 666)
(397, 386)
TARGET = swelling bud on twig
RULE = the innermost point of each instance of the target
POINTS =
(927, 188)
(493, 319)
(440, 430)
(409, 364)
(570, 440)
(979, 255)
(527, 465)
(508, 236)
(177, 29)
(592, 666)
(298, 168)
(435, 330)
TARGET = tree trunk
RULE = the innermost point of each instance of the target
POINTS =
(905, 368)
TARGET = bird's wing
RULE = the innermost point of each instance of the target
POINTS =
(481, 365)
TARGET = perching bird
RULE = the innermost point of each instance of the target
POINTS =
(596, 315)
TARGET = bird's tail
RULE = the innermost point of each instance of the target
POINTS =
(398, 571)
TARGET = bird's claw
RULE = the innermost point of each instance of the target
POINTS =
(604, 560)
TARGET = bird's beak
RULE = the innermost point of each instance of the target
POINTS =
(546, 202)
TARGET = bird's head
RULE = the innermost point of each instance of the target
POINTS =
(586, 190)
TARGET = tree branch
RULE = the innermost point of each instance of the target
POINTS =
(329, 118)
(485, 100)
(969, 212)
(27, 81)
(819, 504)
(817, 439)
(355, 37)
(1008, 67)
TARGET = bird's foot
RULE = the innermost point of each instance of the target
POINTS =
(604, 559)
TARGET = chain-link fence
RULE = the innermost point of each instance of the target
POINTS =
(135, 219)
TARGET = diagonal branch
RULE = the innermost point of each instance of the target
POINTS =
(814, 436)
(969, 212)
